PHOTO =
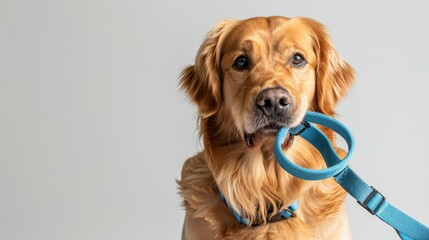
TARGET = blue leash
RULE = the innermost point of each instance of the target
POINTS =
(367, 196)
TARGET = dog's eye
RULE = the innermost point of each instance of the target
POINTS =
(241, 63)
(298, 60)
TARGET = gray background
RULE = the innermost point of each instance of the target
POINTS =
(94, 130)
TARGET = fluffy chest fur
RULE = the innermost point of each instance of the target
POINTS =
(321, 212)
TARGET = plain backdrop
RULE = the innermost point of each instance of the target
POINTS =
(94, 129)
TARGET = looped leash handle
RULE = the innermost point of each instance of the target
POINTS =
(367, 196)
(318, 139)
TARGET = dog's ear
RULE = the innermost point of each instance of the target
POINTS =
(333, 75)
(202, 81)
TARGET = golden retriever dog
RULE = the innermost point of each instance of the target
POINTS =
(250, 78)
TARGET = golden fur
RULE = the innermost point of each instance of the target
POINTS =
(249, 176)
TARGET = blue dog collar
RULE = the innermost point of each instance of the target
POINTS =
(287, 213)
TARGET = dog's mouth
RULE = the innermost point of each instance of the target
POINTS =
(262, 134)
(265, 128)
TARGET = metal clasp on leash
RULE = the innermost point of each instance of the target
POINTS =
(298, 130)
(302, 127)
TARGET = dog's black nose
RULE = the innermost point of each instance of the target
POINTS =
(274, 102)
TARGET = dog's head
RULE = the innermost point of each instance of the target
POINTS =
(264, 73)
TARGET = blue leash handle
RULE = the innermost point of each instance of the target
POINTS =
(367, 196)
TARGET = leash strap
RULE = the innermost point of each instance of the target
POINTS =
(367, 196)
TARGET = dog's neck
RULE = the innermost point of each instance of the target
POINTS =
(250, 178)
